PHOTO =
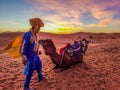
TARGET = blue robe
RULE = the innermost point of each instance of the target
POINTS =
(29, 49)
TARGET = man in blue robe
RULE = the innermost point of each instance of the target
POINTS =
(30, 54)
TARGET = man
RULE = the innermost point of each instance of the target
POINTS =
(29, 52)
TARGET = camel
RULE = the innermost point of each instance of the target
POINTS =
(60, 60)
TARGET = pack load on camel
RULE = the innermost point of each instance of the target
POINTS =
(77, 48)
(74, 49)
(69, 55)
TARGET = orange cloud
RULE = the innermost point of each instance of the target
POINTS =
(102, 23)
(105, 22)
(117, 22)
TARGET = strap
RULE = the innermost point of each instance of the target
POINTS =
(62, 57)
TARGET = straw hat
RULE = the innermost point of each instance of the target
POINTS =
(36, 21)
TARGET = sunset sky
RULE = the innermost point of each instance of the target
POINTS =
(61, 16)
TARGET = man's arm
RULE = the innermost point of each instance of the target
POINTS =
(26, 39)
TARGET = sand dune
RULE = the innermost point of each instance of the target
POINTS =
(100, 70)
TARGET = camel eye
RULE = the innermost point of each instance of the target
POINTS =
(40, 41)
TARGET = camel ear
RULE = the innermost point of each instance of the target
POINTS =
(49, 40)
(46, 40)
(42, 42)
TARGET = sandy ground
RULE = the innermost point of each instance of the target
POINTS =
(100, 70)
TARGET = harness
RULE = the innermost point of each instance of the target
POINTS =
(62, 56)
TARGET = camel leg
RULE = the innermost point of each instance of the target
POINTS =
(64, 68)
(56, 67)
(81, 59)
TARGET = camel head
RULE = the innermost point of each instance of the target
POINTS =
(48, 46)
(43, 42)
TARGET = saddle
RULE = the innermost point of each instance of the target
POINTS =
(73, 50)
(63, 48)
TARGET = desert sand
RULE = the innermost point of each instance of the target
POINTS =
(100, 69)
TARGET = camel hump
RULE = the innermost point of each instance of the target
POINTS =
(73, 50)
(63, 48)
(76, 49)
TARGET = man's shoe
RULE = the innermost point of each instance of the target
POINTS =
(29, 89)
(41, 79)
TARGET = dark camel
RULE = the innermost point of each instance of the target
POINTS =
(60, 60)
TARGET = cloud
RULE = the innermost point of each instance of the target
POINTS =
(117, 22)
(101, 14)
(102, 23)
(105, 9)
(105, 22)
(8, 23)
(65, 13)
(62, 8)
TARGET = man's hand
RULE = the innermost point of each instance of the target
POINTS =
(39, 52)
(24, 61)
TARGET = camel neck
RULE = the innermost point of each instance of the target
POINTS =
(55, 58)
(54, 54)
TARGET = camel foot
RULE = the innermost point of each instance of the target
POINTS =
(64, 68)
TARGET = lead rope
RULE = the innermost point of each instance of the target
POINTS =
(62, 57)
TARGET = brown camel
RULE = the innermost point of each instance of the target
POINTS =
(60, 60)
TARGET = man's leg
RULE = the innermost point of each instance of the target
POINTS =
(28, 77)
(38, 67)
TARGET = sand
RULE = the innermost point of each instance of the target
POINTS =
(100, 69)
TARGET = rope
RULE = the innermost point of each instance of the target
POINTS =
(62, 57)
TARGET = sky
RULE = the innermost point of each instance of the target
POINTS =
(61, 16)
